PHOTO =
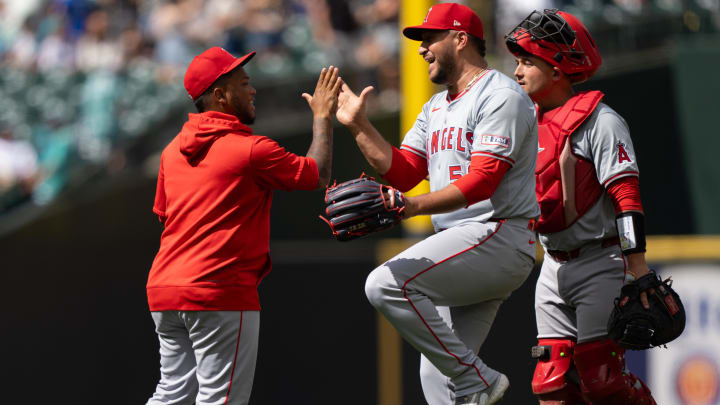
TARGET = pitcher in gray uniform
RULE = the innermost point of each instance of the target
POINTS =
(477, 143)
(591, 226)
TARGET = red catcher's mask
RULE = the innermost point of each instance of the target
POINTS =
(558, 38)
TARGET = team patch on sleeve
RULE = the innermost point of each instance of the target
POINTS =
(495, 140)
(622, 154)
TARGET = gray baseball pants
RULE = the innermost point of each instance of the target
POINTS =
(574, 299)
(206, 357)
(442, 295)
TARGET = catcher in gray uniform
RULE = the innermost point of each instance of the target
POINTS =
(477, 143)
(587, 187)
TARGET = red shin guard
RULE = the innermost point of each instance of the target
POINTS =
(550, 383)
(603, 379)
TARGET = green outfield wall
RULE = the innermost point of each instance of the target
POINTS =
(695, 68)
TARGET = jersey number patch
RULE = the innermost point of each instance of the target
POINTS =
(455, 172)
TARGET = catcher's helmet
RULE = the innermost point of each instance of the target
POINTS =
(560, 39)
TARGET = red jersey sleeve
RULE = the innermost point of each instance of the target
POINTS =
(160, 201)
(625, 194)
(406, 170)
(483, 178)
(276, 168)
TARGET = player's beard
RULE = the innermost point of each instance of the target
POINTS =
(445, 69)
(245, 113)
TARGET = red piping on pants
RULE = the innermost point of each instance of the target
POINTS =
(237, 345)
(500, 223)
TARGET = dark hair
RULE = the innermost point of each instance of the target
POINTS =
(517, 50)
(203, 102)
(478, 44)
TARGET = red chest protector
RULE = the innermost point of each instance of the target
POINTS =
(566, 184)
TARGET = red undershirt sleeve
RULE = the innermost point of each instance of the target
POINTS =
(482, 179)
(406, 170)
(625, 194)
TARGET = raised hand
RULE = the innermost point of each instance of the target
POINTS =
(324, 100)
(351, 107)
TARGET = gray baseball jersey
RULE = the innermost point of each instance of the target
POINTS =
(493, 117)
(604, 139)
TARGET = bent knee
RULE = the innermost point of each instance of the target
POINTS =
(379, 286)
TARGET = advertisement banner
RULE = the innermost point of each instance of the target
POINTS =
(688, 371)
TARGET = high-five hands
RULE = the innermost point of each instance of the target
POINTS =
(351, 107)
(324, 101)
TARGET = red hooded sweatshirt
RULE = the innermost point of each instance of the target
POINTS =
(214, 193)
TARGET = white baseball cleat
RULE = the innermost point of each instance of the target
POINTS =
(489, 395)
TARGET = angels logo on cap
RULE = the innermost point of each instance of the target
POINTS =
(427, 15)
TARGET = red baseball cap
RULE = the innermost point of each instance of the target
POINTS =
(447, 16)
(207, 67)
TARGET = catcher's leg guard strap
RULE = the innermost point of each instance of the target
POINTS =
(554, 358)
(550, 383)
(603, 380)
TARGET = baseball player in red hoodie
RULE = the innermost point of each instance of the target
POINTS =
(214, 193)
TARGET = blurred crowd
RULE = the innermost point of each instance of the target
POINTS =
(622, 28)
(113, 35)
(80, 79)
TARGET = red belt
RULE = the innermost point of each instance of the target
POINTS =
(562, 256)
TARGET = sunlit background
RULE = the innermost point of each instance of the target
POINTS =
(91, 91)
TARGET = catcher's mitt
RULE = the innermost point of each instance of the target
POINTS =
(362, 206)
(634, 327)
